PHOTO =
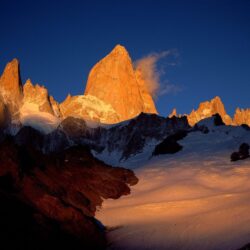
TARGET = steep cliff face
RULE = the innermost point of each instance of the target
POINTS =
(148, 102)
(241, 116)
(11, 87)
(114, 81)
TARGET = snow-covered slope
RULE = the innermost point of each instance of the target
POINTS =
(90, 108)
(30, 115)
(194, 199)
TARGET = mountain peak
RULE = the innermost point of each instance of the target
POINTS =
(11, 86)
(119, 49)
(28, 83)
(216, 98)
(173, 113)
(113, 81)
(13, 63)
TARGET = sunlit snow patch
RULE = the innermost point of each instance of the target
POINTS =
(42, 121)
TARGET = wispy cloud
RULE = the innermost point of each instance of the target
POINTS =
(151, 72)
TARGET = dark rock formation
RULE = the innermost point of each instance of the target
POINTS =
(49, 201)
(170, 144)
(131, 138)
(246, 247)
(218, 120)
(242, 154)
(246, 127)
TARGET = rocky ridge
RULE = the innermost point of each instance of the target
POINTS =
(215, 106)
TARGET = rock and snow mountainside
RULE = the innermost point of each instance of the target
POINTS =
(28, 104)
(115, 92)
(215, 106)
(88, 107)
(193, 199)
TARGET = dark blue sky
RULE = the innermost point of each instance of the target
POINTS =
(57, 43)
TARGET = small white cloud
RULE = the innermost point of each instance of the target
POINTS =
(152, 74)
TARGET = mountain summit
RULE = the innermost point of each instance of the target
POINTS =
(114, 81)
(11, 87)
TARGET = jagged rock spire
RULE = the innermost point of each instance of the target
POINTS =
(114, 81)
(11, 86)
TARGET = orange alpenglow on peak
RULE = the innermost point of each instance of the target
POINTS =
(114, 81)
(11, 86)
(207, 109)
(241, 116)
(173, 113)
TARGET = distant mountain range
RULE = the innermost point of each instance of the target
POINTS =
(115, 92)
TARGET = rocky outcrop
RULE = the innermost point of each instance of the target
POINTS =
(173, 113)
(170, 145)
(11, 88)
(37, 96)
(58, 194)
(241, 116)
(243, 153)
(78, 132)
(130, 138)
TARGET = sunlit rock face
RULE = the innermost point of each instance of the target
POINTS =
(207, 109)
(38, 109)
(114, 82)
(148, 102)
(11, 87)
(241, 116)
(173, 113)
(55, 106)
(37, 95)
